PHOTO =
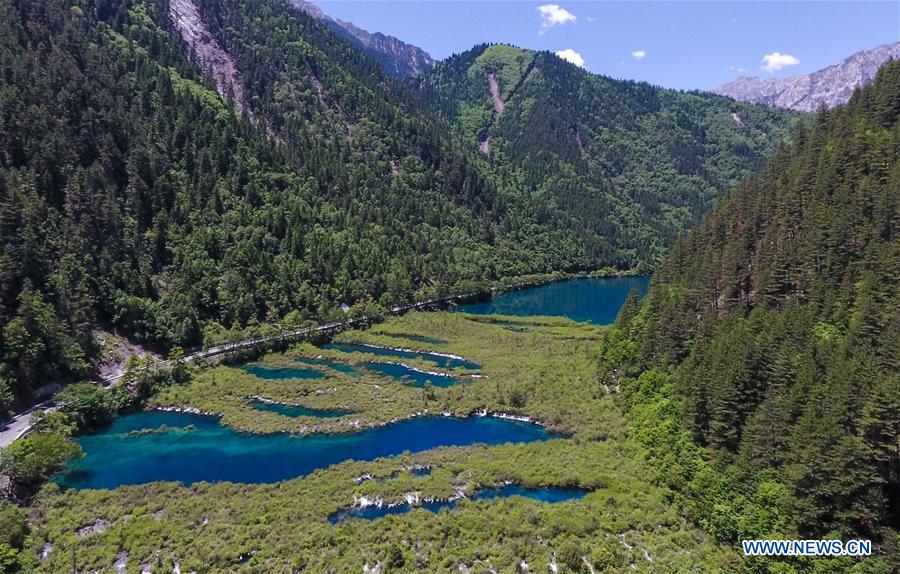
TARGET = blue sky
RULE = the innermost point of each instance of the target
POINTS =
(683, 45)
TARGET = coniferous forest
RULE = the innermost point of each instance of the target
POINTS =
(770, 340)
(134, 199)
(175, 174)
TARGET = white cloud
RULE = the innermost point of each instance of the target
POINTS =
(553, 15)
(776, 61)
(638, 54)
(570, 55)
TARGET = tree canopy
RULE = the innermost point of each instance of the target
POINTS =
(768, 342)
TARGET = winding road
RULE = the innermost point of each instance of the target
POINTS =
(20, 424)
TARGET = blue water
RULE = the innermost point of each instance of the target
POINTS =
(543, 494)
(441, 361)
(209, 451)
(279, 373)
(410, 376)
(295, 411)
(338, 366)
(546, 494)
(594, 300)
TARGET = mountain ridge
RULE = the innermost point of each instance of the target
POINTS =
(830, 86)
(396, 57)
(769, 340)
(635, 161)
(167, 215)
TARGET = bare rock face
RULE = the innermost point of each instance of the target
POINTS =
(396, 58)
(207, 52)
(831, 86)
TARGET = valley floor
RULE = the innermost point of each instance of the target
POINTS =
(543, 369)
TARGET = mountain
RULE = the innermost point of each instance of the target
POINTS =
(634, 163)
(397, 58)
(830, 86)
(174, 171)
(135, 198)
(769, 342)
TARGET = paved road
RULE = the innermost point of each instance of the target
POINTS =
(18, 426)
(21, 423)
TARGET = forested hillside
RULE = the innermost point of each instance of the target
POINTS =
(135, 198)
(762, 372)
(631, 162)
(132, 196)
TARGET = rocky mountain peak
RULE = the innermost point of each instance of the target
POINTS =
(830, 86)
(396, 58)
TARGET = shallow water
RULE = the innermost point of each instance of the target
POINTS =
(338, 366)
(439, 360)
(594, 300)
(546, 494)
(409, 376)
(295, 411)
(280, 373)
(209, 451)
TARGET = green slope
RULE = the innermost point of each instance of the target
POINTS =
(768, 343)
(632, 164)
(133, 197)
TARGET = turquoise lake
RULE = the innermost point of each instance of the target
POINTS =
(410, 376)
(280, 373)
(439, 360)
(191, 448)
(338, 366)
(294, 411)
(594, 300)
(147, 447)
(548, 494)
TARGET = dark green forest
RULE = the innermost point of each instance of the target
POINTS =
(134, 199)
(632, 164)
(761, 372)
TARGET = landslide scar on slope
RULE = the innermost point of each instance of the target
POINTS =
(211, 57)
(485, 145)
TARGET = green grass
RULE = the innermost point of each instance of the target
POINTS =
(547, 371)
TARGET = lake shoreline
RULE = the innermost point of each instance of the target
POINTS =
(353, 426)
